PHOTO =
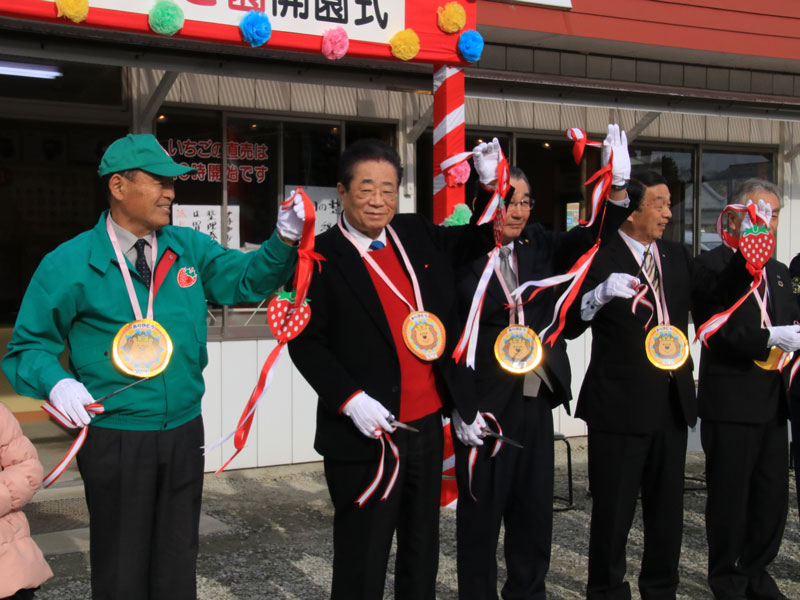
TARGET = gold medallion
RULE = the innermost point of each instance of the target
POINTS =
(666, 347)
(424, 335)
(142, 348)
(776, 360)
(518, 349)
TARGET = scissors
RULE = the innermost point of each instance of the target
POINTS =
(395, 423)
(488, 432)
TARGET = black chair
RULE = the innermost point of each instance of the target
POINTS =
(567, 503)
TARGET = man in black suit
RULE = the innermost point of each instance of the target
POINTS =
(637, 413)
(743, 410)
(516, 485)
(355, 353)
(794, 271)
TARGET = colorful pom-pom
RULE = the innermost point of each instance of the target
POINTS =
(452, 17)
(256, 28)
(405, 44)
(74, 10)
(458, 174)
(166, 17)
(460, 216)
(335, 43)
(470, 45)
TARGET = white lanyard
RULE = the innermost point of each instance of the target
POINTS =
(137, 311)
(371, 262)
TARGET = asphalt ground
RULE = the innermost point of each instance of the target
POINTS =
(266, 534)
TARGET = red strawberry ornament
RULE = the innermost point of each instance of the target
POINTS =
(756, 245)
(286, 322)
(187, 276)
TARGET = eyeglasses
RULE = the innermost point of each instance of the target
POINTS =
(524, 206)
(369, 193)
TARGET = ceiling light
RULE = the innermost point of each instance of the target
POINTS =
(546, 145)
(29, 70)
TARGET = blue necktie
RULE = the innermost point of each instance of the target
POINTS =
(141, 262)
(376, 245)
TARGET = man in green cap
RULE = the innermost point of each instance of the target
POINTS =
(142, 461)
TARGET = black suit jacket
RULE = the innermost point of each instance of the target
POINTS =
(732, 387)
(347, 345)
(540, 253)
(622, 391)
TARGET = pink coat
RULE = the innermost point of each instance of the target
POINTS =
(21, 562)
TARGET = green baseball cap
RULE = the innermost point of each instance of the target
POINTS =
(140, 152)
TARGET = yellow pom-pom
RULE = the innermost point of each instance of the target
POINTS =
(452, 17)
(405, 44)
(74, 10)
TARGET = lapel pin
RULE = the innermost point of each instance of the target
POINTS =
(780, 283)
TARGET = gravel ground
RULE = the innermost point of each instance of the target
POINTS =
(278, 545)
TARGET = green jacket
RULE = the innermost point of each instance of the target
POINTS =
(77, 294)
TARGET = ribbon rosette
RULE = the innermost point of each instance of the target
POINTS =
(287, 315)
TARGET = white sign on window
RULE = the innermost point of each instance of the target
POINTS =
(207, 218)
(326, 204)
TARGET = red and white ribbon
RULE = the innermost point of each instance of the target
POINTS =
(306, 259)
(449, 495)
(367, 493)
(603, 176)
(94, 408)
(473, 452)
(448, 135)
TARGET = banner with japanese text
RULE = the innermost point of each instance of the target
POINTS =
(297, 25)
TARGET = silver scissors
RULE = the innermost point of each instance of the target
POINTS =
(395, 423)
(488, 432)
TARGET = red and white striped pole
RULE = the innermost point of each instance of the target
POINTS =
(448, 135)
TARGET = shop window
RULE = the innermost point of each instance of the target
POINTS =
(722, 172)
(675, 165)
(50, 193)
(194, 138)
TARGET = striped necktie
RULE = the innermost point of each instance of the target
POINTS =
(649, 265)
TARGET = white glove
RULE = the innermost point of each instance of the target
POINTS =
(763, 209)
(469, 434)
(617, 141)
(291, 218)
(369, 415)
(785, 337)
(486, 157)
(618, 285)
(70, 396)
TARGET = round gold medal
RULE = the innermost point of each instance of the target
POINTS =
(142, 348)
(424, 335)
(776, 360)
(518, 349)
(666, 347)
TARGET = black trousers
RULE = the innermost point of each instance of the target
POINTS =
(796, 442)
(746, 471)
(362, 536)
(620, 466)
(515, 487)
(143, 491)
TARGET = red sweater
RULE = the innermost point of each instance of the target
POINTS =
(419, 395)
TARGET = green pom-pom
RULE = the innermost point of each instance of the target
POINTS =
(166, 17)
(460, 216)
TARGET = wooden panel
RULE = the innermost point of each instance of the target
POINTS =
(694, 127)
(396, 104)
(274, 413)
(307, 98)
(670, 125)
(738, 129)
(212, 404)
(239, 374)
(520, 114)
(597, 120)
(547, 116)
(237, 91)
(373, 103)
(340, 100)
(304, 411)
(471, 112)
(491, 113)
(199, 89)
(273, 95)
(716, 129)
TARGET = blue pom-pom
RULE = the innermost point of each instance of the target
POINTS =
(256, 28)
(470, 45)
